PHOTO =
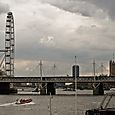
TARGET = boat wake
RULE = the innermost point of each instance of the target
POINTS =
(7, 104)
(14, 104)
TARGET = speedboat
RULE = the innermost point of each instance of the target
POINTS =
(23, 101)
(105, 107)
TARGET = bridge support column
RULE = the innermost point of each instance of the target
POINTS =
(4, 88)
(51, 89)
(43, 89)
(98, 89)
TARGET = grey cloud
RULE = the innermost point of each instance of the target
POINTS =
(82, 7)
(82, 45)
(107, 5)
(21, 1)
(4, 8)
(85, 56)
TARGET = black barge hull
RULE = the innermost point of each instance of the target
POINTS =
(108, 111)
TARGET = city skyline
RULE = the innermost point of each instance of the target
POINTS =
(56, 31)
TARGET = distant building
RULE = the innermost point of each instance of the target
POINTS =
(75, 70)
(112, 68)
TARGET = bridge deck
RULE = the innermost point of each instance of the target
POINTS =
(59, 79)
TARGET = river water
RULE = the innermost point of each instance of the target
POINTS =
(60, 105)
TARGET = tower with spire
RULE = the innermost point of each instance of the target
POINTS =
(112, 67)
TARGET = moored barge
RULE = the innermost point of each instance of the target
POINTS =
(105, 106)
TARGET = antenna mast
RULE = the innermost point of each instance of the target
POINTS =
(41, 68)
(94, 68)
(54, 67)
(113, 56)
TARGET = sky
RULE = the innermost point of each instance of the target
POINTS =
(55, 31)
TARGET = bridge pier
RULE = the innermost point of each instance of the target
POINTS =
(43, 89)
(51, 89)
(4, 88)
(98, 90)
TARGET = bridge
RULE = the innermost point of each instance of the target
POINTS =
(58, 79)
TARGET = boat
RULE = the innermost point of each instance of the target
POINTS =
(23, 101)
(105, 106)
(112, 89)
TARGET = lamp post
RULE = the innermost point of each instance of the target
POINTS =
(75, 87)
(50, 104)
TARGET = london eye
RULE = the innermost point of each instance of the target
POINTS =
(9, 45)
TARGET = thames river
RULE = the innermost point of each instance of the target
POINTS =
(60, 105)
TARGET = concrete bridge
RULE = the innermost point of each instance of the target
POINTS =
(48, 82)
(58, 79)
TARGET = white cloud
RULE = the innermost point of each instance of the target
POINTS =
(49, 41)
(4, 8)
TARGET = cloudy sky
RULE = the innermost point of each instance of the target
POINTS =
(56, 31)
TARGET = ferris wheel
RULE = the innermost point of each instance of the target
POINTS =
(9, 45)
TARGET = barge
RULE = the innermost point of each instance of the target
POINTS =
(105, 106)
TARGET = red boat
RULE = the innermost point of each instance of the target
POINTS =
(23, 101)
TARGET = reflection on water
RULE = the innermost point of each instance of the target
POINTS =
(61, 105)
